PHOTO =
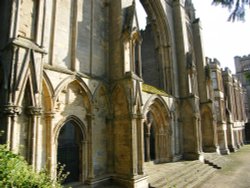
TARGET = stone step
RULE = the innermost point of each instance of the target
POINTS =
(192, 176)
(198, 177)
(187, 174)
(216, 159)
(169, 175)
(182, 176)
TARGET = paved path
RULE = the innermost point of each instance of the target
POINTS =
(236, 174)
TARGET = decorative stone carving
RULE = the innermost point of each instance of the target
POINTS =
(37, 111)
(12, 110)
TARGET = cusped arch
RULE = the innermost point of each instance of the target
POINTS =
(156, 99)
(67, 81)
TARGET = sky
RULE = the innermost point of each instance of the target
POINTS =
(222, 40)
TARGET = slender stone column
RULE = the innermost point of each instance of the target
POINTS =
(147, 135)
(140, 144)
(90, 165)
(35, 116)
(49, 162)
(11, 112)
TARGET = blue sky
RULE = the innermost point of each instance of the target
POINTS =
(221, 39)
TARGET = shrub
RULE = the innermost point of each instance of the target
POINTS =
(15, 172)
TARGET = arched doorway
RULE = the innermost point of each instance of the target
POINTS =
(69, 151)
(157, 133)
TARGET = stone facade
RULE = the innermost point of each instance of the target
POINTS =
(82, 85)
(242, 66)
(229, 106)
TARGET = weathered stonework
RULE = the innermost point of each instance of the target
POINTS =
(80, 84)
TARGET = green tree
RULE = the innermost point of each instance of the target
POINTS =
(236, 7)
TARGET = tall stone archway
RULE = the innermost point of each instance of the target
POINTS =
(157, 133)
(157, 67)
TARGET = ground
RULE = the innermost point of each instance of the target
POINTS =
(235, 175)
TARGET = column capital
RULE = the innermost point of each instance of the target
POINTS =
(32, 110)
(12, 110)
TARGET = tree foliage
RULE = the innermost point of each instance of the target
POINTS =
(15, 172)
(236, 7)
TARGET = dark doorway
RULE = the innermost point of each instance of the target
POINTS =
(152, 143)
(69, 151)
(247, 132)
(149, 143)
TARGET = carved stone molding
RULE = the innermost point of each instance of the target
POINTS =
(37, 111)
(12, 110)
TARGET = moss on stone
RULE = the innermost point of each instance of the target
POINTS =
(151, 89)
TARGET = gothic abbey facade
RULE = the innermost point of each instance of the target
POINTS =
(82, 85)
